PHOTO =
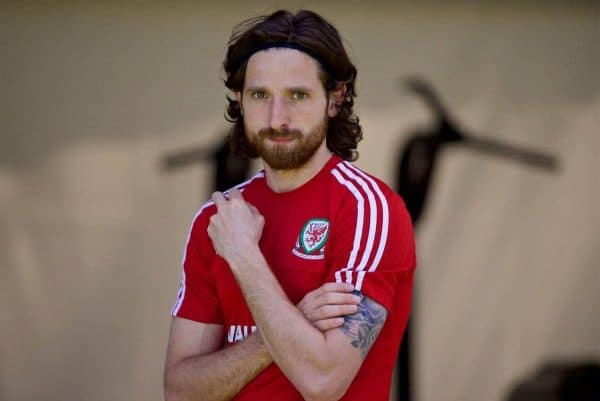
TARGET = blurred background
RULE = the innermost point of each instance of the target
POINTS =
(94, 95)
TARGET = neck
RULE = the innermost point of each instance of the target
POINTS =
(288, 180)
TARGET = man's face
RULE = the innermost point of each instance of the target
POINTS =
(285, 107)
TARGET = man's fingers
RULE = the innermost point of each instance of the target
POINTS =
(330, 301)
(328, 324)
(332, 311)
(218, 198)
(335, 287)
(337, 298)
(327, 311)
(339, 310)
(234, 193)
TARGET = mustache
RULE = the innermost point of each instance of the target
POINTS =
(279, 133)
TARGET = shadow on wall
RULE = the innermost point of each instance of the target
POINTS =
(414, 176)
(560, 381)
(230, 170)
(418, 156)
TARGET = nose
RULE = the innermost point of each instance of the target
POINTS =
(279, 113)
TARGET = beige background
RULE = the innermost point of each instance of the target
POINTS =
(91, 231)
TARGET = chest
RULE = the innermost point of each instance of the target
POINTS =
(294, 242)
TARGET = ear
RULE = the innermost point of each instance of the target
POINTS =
(336, 98)
(238, 97)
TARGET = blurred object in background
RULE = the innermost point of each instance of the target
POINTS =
(419, 154)
(415, 168)
(230, 170)
(560, 381)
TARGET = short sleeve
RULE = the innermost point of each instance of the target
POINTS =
(372, 244)
(197, 297)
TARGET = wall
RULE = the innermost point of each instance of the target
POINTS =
(91, 229)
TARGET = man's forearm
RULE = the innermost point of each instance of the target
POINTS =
(296, 346)
(217, 376)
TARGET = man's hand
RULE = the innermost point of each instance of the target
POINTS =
(326, 306)
(321, 364)
(237, 225)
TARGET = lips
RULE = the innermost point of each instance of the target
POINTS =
(280, 138)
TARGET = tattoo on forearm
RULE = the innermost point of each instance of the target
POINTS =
(364, 326)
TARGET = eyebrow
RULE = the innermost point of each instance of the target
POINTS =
(300, 89)
(255, 89)
(290, 89)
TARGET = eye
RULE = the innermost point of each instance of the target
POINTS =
(297, 95)
(258, 95)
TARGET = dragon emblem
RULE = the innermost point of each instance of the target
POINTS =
(314, 235)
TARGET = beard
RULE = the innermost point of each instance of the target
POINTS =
(290, 155)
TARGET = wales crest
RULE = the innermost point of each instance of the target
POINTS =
(312, 239)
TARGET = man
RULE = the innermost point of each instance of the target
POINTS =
(297, 283)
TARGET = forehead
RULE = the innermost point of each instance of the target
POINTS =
(282, 67)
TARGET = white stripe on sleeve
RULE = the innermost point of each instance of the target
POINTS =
(372, 216)
(385, 218)
(358, 230)
(360, 185)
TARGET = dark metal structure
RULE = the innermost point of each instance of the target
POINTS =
(415, 170)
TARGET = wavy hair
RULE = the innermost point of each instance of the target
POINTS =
(308, 31)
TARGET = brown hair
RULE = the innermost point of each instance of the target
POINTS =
(308, 31)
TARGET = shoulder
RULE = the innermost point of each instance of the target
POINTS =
(206, 210)
(355, 187)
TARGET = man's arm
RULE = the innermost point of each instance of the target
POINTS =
(320, 365)
(196, 369)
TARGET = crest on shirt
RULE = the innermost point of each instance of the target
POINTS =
(312, 239)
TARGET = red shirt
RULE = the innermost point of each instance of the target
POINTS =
(342, 225)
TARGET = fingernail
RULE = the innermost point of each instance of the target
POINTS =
(356, 298)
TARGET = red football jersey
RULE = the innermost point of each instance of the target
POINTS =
(342, 225)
